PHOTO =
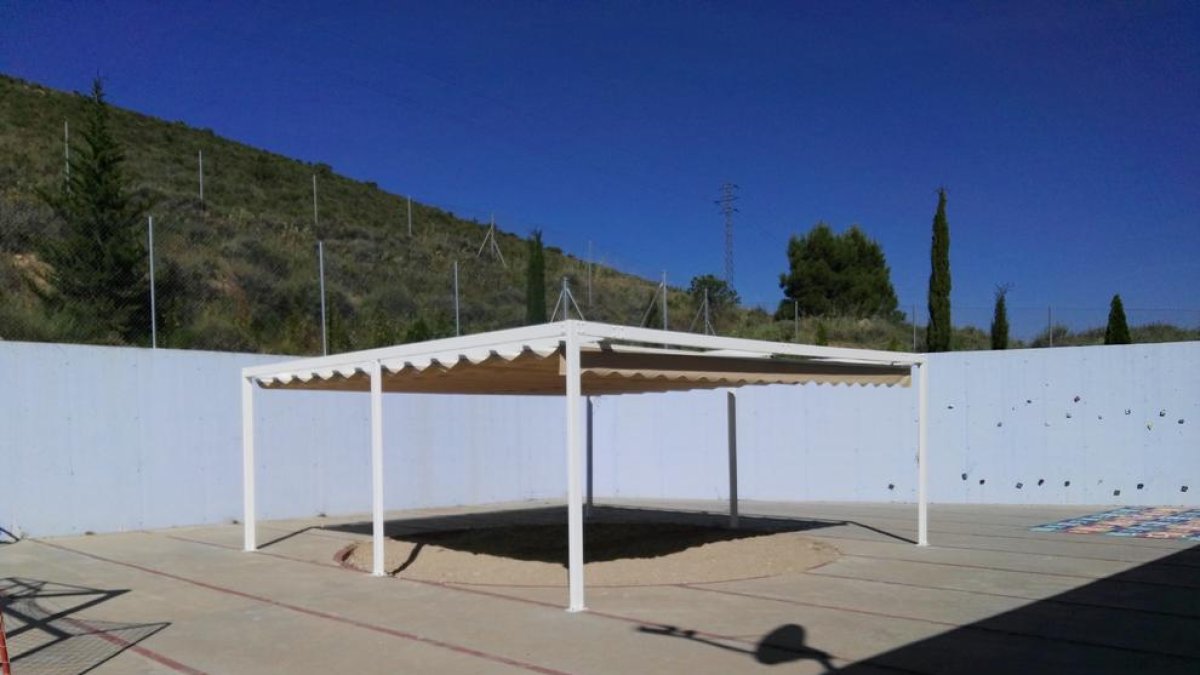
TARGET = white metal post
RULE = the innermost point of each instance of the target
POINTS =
(153, 312)
(321, 280)
(248, 514)
(574, 473)
(922, 443)
(590, 465)
(457, 316)
(731, 416)
(377, 469)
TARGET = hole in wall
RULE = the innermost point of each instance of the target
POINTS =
(982, 481)
(1041, 481)
(964, 476)
(1077, 399)
(1116, 493)
(1066, 483)
(891, 486)
(1020, 485)
(1068, 415)
(1180, 420)
(1141, 485)
(1183, 488)
(1162, 413)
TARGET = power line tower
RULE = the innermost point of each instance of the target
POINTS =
(728, 197)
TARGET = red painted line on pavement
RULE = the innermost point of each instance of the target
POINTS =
(1064, 575)
(134, 647)
(128, 645)
(476, 590)
(316, 613)
(1071, 603)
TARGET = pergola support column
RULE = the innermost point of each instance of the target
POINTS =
(249, 534)
(922, 449)
(731, 416)
(377, 554)
(587, 507)
(575, 469)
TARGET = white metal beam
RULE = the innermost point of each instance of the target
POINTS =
(922, 454)
(249, 535)
(377, 566)
(712, 342)
(575, 467)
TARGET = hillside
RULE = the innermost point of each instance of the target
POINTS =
(239, 271)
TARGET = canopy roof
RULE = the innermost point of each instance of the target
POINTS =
(613, 360)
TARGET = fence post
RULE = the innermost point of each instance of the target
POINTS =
(457, 322)
(153, 308)
(321, 273)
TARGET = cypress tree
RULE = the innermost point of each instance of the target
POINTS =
(1117, 332)
(1000, 320)
(99, 277)
(535, 281)
(937, 336)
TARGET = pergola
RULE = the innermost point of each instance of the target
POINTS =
(574, 359)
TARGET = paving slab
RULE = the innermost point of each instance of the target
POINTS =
(987, 596)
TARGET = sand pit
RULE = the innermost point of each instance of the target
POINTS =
(618, 552)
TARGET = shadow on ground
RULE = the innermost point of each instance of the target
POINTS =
(610, 533)
(46, 635)
(1143, 620)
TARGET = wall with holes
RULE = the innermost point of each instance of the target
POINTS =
(107, 439)
(1081, 425)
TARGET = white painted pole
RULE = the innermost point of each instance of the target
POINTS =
(922, 451)
(377, 566)
(574, 474)
(457, 320)
(67, 152)
(248, 513)
(731, 415)
(321, 274)
(153, 308)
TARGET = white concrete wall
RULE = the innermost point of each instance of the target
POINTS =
(109, 439)
(999, 417)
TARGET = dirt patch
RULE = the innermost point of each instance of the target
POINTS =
(616, 554)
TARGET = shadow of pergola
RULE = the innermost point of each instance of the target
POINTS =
(610, 532)
(47, 635)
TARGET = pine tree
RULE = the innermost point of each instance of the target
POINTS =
(836, 274)
(1000, 320)
(1117, 332)
(535, 281)
(99, 279)
(937, 336)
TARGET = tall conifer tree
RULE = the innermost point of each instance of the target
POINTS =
(937, 336)
(535, 281)
(99, 263)
(1000, 320)
(1117, 332)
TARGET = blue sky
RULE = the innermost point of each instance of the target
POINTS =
(1067, 134)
